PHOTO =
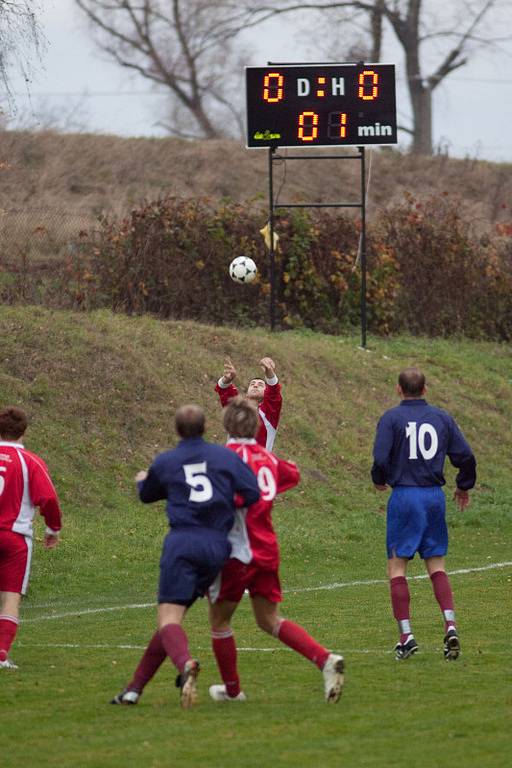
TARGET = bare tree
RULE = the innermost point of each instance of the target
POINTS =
(456, 28)
(21, 40)
(184, 46)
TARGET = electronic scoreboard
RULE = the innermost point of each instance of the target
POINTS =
(326, 105)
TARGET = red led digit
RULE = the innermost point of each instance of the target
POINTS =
(308, 126)
(368, 90)
(337, 125)
(273, 89)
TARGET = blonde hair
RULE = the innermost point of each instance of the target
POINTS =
(241, 418)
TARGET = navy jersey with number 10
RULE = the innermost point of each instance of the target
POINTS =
(411, 446)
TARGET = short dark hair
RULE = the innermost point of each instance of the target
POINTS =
(13, 422)
(412, 382)
(241, 418)
(190, 421)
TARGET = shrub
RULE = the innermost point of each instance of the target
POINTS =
(450, 282)
(427, 272)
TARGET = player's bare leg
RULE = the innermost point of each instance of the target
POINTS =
(400, 601)
(294, 636)
(9, 620)
(224, 649)
(436, 569)
(175, 643)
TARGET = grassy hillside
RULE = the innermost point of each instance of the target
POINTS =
(101, 390)
(84, 175)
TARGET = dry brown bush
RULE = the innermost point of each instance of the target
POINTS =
(109, 175)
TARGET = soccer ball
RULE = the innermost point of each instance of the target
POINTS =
(243, 270)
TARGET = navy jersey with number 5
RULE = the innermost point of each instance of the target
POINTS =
(411, 445)
(199, 481)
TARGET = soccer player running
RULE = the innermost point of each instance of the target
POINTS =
(199, 481)
(24, 485)
(411, 444)
(265, 394)
(254, 566)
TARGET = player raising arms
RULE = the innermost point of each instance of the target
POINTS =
(265, 394)
(199, 481)
(411, 446)
(24, 485)
(254, 565)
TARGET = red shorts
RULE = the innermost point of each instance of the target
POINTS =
(236, 577)
(15, 557)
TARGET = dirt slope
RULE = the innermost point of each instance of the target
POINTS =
(91, 174)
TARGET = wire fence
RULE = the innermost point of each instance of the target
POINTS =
(39, 236)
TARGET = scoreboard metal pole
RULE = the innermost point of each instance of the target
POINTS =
(273, 281)
(336, 105)
(363, 248)
(274, 205)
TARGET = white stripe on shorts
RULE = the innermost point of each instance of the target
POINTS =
(28, 541)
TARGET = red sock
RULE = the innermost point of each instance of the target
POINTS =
(8, 629)
(175, 643)
(297, 638)
(443, 593)
(153, 657)
(224, 648)
(400, 600)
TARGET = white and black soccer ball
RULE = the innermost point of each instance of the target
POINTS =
(243, 270)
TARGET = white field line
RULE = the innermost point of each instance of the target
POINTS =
(425, 650)
(86, 611)
(126, 647)
(293, 590)
(342, 584)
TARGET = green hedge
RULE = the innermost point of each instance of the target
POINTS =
(427, 272)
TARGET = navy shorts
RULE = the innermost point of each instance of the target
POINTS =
(190, 562)
(416, 522)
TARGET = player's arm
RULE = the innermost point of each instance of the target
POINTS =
(382, 448)
(225, 386)
(288, 475)
(272, 397)
(149, 486)
(43, 495)
(245, 483)
(461, 456)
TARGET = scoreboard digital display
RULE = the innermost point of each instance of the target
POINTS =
(331, 105)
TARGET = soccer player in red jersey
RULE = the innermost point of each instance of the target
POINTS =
(24, 485)
(199, 482)
(254, 565)
(265, 394)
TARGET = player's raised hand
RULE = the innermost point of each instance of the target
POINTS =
(461, 498)
(269, 367)
(229, 374)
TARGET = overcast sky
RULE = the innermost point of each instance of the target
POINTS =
(78, 88)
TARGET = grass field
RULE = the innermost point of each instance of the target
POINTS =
(101, 390)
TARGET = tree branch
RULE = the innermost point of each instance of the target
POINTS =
(453, 61)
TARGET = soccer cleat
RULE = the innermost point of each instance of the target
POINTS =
(219, 693)
(187, 682)
(451, 645)
(334, 678)
(8, 664)
(404, 650)
(126, 697)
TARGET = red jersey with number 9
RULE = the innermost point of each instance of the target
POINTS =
(253, 539)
